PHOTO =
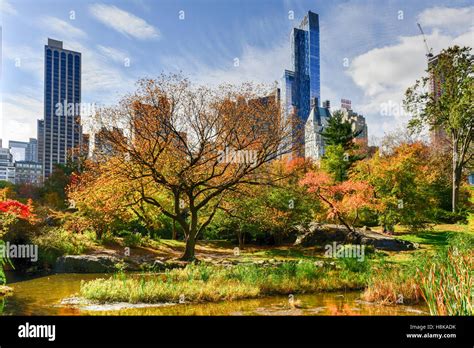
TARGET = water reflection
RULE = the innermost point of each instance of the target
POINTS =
(43, 295)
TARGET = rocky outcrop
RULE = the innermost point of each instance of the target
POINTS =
(103, 263)
(86, 264)
(321, 234)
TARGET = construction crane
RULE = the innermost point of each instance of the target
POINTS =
(429, 50)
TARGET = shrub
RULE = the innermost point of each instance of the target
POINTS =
(55, 242)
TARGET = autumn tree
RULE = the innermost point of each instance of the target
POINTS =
(450, 108)
(193, 143)
(271, 211)
(405, 181)
(343, 200)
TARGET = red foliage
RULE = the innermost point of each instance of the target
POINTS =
(21, 210)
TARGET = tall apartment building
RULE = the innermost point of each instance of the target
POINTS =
(301, 85)
(357, 121)
(61, 130)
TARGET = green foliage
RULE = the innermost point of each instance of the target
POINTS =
(339, 132)
(133, 240)
(452, 110)
(336, 161)
(55, 242)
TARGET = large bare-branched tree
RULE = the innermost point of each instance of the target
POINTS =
(183, 147)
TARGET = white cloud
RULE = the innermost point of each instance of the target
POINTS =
(19, 113)
(99, 78)
(384, 74)
(23, 58)
(115, 54)
(62, 28)
(124, 22)
(451, 19)
(254, 64)
(7, 8)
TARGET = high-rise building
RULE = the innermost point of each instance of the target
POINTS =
(302, 85)
(357, 121)
(7, 169)
(32, 151)
(40, 137)
(27, 172)
(24, 151)
(437, 134)
(18, 150)
(60, 131)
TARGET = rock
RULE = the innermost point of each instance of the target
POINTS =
(85, 264)
(158, 265)
(318, 234)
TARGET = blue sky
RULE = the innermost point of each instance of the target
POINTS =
(371, 50)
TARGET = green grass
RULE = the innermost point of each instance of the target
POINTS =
(202, 282)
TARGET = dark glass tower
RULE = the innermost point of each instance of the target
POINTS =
(302, 85)
(62, 97)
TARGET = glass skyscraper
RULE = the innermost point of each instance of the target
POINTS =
(61, 130)
(301, 87)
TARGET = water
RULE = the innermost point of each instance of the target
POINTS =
(43, 296)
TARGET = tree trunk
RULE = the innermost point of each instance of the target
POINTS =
(241, 238)
(173, 236)
(188, 254)
(191, 238)
(457, 174)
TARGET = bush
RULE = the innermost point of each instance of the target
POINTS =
(448, 217)
(133, 240)
(55, 242)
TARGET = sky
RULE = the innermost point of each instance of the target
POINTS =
(371, 50)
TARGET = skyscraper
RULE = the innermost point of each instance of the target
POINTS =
(302, 85)
(62, 97)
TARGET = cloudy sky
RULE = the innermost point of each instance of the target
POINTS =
(371, 50)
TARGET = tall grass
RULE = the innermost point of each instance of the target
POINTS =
(202, 282)
(447, 285)
(444, 280)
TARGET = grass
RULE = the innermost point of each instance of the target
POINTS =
(444, 279)
(202, 283)
(448, 284)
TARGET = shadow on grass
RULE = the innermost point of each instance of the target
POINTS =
(429, 238)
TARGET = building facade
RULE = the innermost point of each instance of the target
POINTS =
(27, 172)
(32, 150)
(7, 168)
(357, 121)
(315, 124)
(61, 129)
(24, 151)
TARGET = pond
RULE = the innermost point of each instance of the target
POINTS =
(44, 296)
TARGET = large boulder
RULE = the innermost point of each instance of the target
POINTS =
(85, 264)
(320, 234)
